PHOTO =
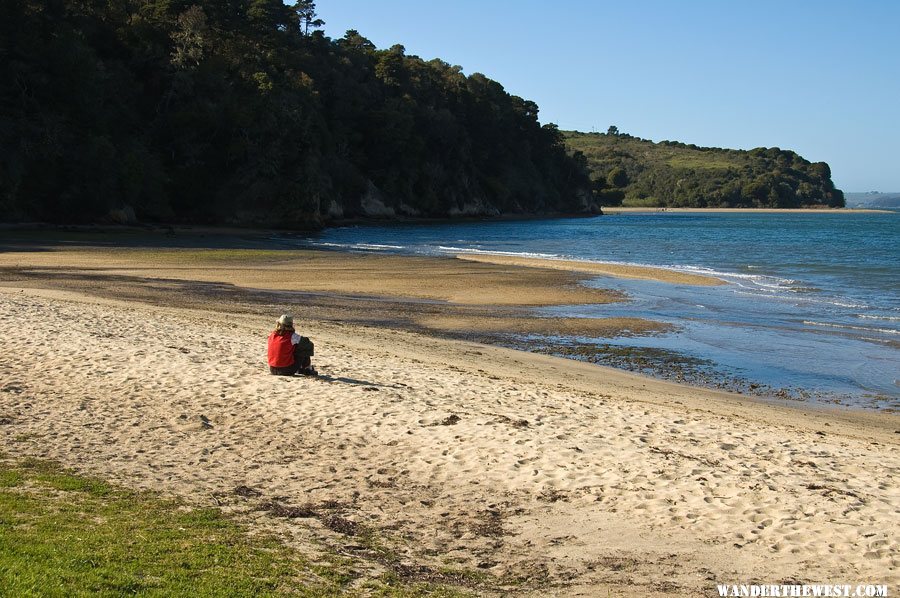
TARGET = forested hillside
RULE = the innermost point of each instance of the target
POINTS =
(629, 171)
(244, 111)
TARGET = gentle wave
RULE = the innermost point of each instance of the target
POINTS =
(885, 318)
(850, 327)
(324, 244)
(850, 305)
(372, 246)
(545, 256)
(802, 299)
(760, 280)
(377, 246)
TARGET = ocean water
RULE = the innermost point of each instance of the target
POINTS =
(812, 303)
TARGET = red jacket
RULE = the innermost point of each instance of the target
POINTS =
(281, 350)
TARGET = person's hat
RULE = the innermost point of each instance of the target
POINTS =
(286, 320)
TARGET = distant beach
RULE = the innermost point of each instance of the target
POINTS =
(626, 210)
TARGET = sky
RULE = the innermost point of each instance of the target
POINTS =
(821, 78)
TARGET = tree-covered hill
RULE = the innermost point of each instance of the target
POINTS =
(243, 111)
(629, 171)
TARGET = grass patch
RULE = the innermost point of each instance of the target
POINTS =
(49, 474)
(9, 479)
(66, 534)
(391, 585)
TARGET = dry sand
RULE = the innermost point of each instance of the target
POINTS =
(550, 476)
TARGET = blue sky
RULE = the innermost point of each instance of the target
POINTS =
(821, 78)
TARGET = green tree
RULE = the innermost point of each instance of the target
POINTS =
(306, 16)
(188, 38)
(617, 178)
(269, 14)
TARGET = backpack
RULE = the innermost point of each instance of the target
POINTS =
(305, 347)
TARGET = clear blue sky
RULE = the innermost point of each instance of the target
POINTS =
(818, 77)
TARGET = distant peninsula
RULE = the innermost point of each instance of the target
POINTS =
(874, 199)
(634, 172)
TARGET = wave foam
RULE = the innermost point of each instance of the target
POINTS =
(885, 318)
(545, 256)
(851, 327)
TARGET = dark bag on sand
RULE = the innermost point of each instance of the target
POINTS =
(305, 347)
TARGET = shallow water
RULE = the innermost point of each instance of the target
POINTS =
(813, 300)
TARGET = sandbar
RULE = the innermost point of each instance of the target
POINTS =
(427, 278)
(597, 268)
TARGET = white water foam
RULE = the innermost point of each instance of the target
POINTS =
(370, 246)
(546, 256)
(885, 318)
(850, 327)
(377, 246)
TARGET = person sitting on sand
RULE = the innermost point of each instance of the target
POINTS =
(289, 353)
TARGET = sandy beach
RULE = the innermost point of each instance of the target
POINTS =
(545, 476)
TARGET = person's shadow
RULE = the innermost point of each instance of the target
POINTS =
(355, 382)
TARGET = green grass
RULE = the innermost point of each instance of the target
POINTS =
(63, 534)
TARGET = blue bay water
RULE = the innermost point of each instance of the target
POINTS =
(812, 300)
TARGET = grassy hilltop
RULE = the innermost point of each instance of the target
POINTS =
(630, 171)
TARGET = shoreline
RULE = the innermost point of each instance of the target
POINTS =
(489, 298)
(213, 230)
(660, 210)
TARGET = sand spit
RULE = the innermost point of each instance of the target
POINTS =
(596, 268)
(549, 476)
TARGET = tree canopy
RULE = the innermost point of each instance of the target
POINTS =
(244, 111)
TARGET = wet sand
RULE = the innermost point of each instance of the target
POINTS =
(428, 278)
